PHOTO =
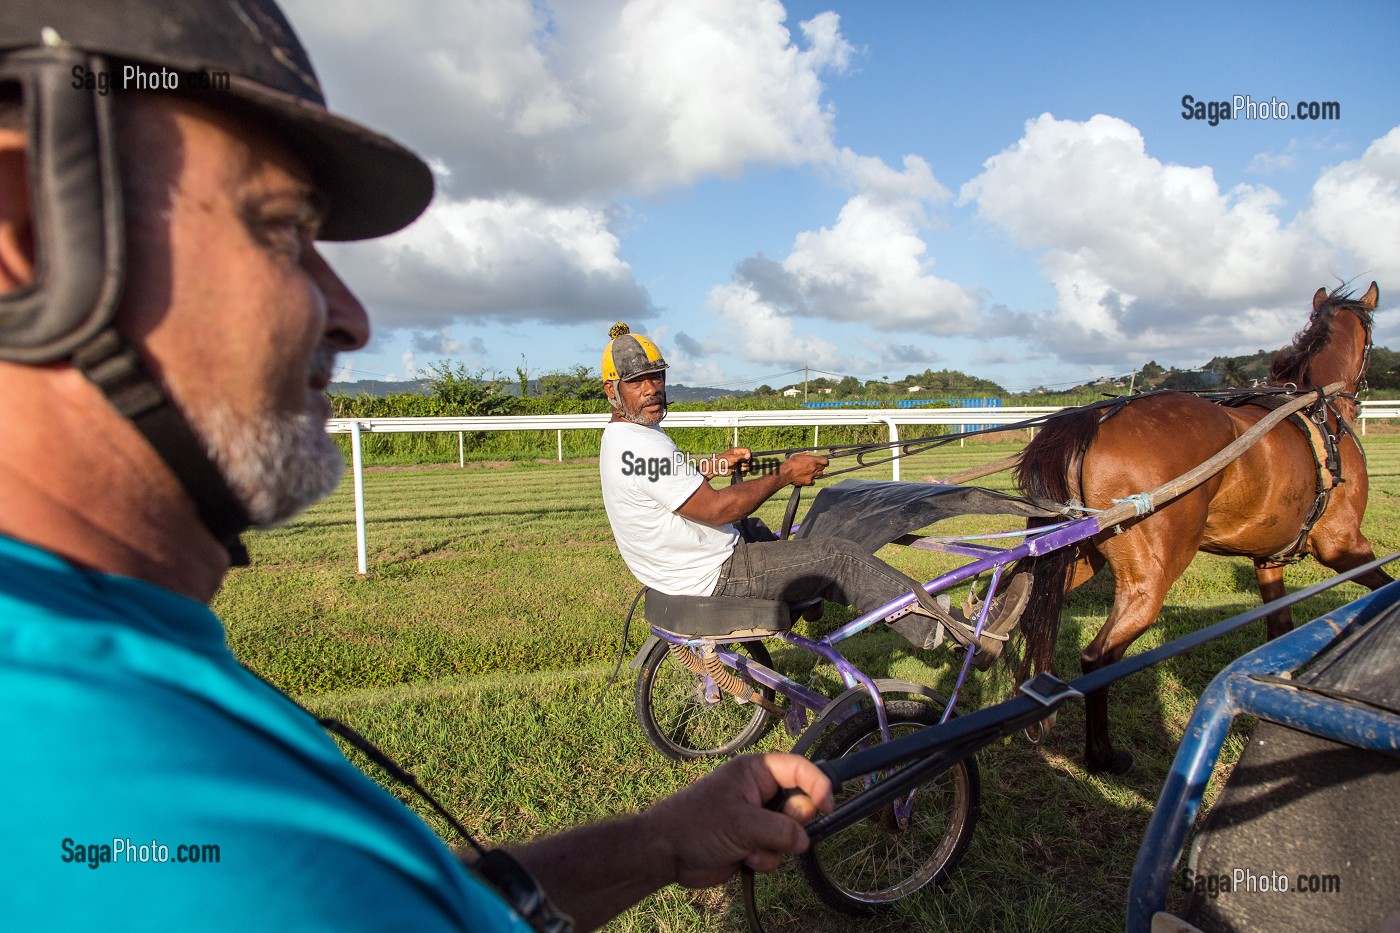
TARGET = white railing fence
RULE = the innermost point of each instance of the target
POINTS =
(892, 418)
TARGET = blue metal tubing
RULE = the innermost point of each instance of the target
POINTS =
(1232, 692)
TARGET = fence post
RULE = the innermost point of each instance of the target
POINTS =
(894, 439)
(560, 432)
(358, 466)
(461, 452)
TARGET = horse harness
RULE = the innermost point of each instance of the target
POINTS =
(1312, 422)
(1327, 457)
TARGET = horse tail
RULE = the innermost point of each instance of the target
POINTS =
(1049, 470)
(1056, 453)
(1040, 625)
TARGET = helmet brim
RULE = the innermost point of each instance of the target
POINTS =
(651, 371)
(373, 186)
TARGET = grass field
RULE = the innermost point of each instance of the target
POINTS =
(477, 649)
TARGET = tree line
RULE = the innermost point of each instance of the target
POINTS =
(452, 389)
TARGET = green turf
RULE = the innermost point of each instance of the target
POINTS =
(477, 649)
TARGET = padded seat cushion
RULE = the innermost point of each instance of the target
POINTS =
(716, 616)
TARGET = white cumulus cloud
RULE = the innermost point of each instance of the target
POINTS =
(1146, 258)
(764, 334)
(581, 100)
(1355, 206)
(539, 115)
(503, 258)
(870, 267)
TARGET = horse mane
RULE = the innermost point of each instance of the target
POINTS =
(1291, 363)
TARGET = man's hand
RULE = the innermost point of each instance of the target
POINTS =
(803, 469)
(721, 506)
(719, 822)
(733, 460)
(696, 838)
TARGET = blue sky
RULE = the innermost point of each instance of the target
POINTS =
(867, 188)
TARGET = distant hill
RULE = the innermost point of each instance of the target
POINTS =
(676, 392)
(379, 388)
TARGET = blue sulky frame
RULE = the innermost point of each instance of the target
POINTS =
(1238, 690)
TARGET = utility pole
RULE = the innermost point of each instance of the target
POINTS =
(804, 383)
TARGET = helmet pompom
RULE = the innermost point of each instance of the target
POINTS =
(617, 330)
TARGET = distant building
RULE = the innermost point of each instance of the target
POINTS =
(791, 393)
(915, 389)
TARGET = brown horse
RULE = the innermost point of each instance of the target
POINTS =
(1256, 507)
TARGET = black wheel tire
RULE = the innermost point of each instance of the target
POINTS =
(873, 864)
(678, 720)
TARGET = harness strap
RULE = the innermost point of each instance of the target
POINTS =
(1312, 422)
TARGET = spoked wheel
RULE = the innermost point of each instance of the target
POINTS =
(902, 847)
(682, 723)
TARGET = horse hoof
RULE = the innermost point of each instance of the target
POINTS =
(1037, 731)
(1118, 763)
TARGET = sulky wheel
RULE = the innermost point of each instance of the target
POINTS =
(682, 723)
(892, 853)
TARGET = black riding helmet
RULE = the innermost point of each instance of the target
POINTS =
(68, 59)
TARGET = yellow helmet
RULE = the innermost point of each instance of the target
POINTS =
(629, 355)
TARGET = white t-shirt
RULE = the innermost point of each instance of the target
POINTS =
(645, 479)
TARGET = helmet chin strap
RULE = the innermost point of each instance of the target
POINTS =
(68, 312)
(113, 366)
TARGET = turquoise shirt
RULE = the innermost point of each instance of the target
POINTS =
(149, 782)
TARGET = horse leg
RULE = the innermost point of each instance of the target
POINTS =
(1270, 577)
(1336, 541)
(1343, 552)
(1090, 562)
(1144, 568)
(1134, 609)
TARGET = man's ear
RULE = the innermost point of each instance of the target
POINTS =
(16, 221)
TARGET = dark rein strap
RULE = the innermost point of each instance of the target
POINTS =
(938, 748)
(918, 445)
(934, 750)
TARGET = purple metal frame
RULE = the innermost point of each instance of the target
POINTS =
(986, 558)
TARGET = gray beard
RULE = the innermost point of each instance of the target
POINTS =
(639, 418)
(276, 466)
(636, 417)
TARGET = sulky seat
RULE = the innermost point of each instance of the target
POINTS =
(723, 616)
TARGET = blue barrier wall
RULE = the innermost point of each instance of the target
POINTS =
(918, 403)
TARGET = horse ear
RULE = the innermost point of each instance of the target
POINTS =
(1371, 298)
(1319, 297)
